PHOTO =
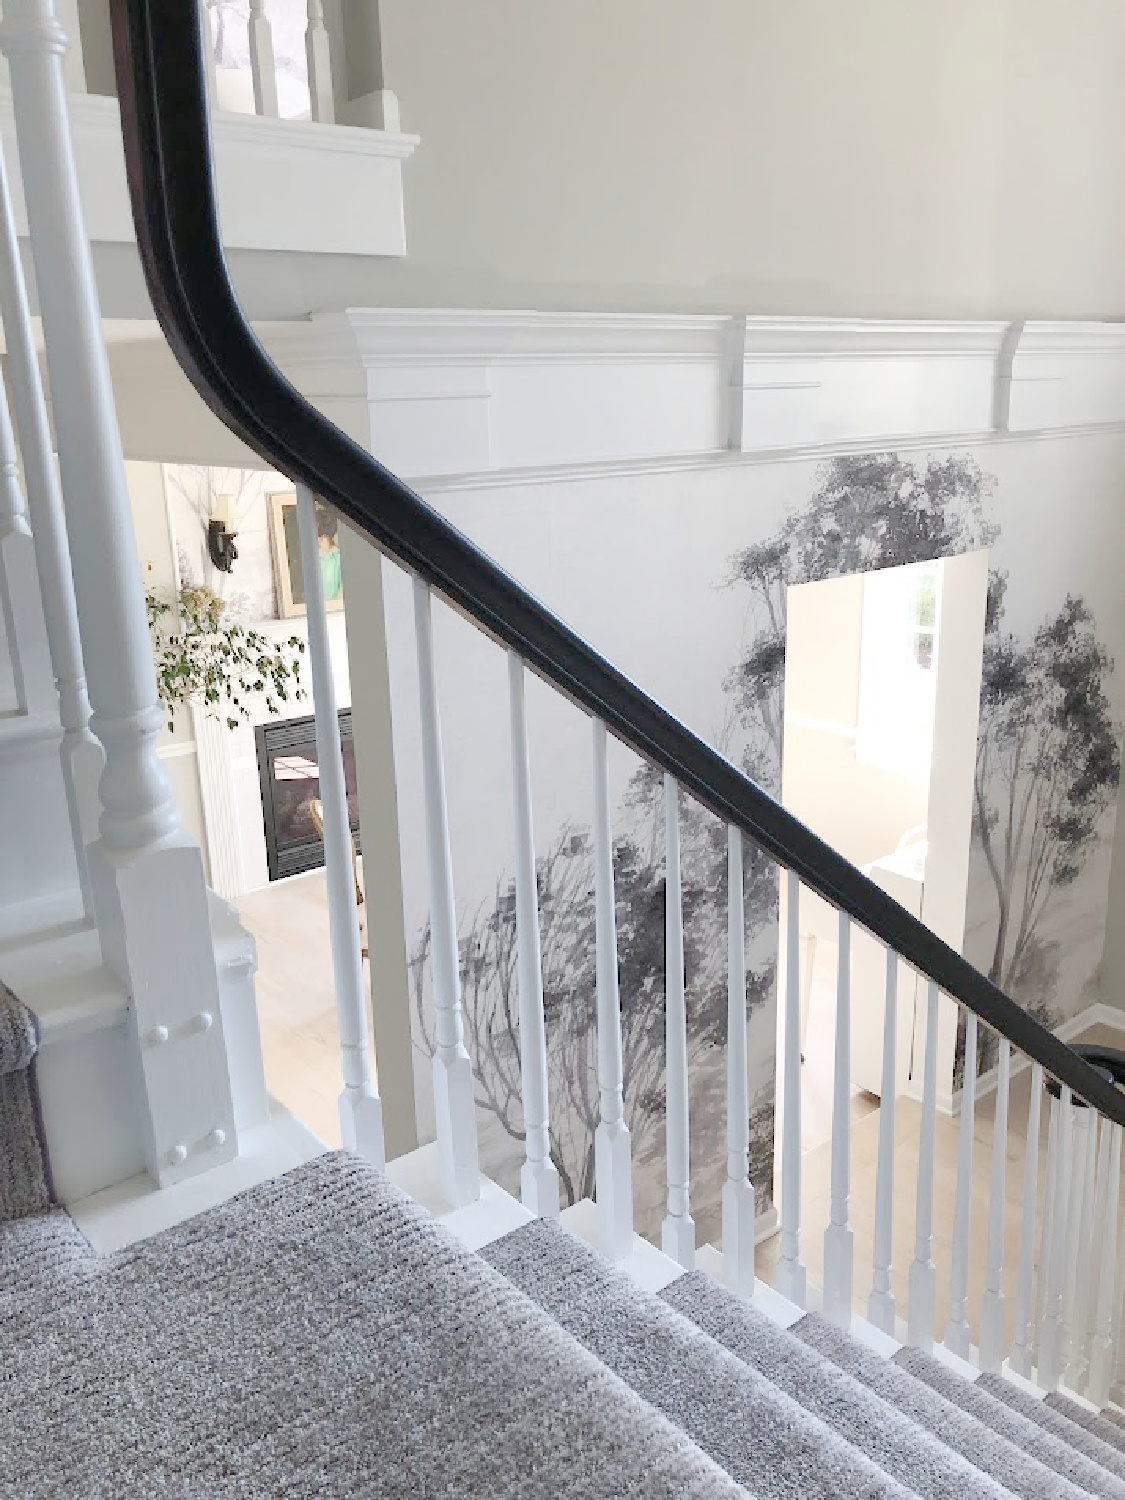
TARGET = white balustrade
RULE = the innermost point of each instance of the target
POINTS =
(839, 1250)
(957, 1328)
(454, 1094)
(322, 103)
(881, 1303)
(1091, 1259)
(147, 882)
(263, 68)
(80, 754)
(361, 1114)
(1102, 1345)
(922, 1286)
(738, 1190)
(1056, 1219)
(790, 1275)
(1021, 1355)
(678, 1230)
(539, 1178)
(992, 1302)
(613, 1170)
(1079, 1242)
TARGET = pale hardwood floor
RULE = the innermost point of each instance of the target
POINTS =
(296, 1008)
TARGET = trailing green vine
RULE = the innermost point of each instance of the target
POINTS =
(223, 667)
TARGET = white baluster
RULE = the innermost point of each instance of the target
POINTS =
(922, 1287)
(1079, 1246)
(957, 1329)
(361, 1114)
(738, 1191)
(838, 1240)
(1051, 1329)
(322, 104)
(1090, 1268)
(678, 1230)
(1101, 1349)
(539, 1179)
(1020, 1358)
(454, 1101)
(80, 754)
(992, 1302)
(263, 69)
(881, 1303)
(613, 1170)
(210, 66)
(790, 1274)
(149, 893)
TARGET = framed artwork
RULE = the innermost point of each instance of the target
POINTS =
(285, 547)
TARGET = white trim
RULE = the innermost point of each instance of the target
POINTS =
(822, 726)
(870, 338)
(176, 750)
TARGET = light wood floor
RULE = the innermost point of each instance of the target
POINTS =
(296, 1008)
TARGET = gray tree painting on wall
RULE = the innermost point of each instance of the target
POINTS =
(1047, 767)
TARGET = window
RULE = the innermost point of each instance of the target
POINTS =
(898, 668)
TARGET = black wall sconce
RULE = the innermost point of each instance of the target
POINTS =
(220, 546)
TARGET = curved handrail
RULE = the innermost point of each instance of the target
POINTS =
(162, 90)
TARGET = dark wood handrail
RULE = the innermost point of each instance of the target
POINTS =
(162, 88)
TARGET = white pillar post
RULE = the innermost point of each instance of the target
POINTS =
(263, 68)
(992, 1303)
(454, 1094)
(839, 1250)
(881, 1303)
(613, 1169)
(322, 102)
(361, 1114)
(539, 1178)
(790, 1274)
(738, 1190)
(147, 879)
(957, 1328)
(678, 1231)
(922, 1286)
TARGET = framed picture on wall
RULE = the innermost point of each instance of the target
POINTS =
(285, 547)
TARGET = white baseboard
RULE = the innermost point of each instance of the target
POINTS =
(1098, 1014)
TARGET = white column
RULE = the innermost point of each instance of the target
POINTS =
(881, 1303)
(839, 1251)
(957, 1328)
(790, 1274)
(1051, 1329)
(1101, 1349)
(678, 1231)
(454, 1096)
(263, 69)
(322, 102)
(992, 1303)
(613, 1170)
(539, 1179)
(361, 1115)
(738, 1190)
(146, 877)
(1020, 1358)
(922, 1285)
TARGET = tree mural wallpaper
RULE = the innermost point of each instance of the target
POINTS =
(1047, 770)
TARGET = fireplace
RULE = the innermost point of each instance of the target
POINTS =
(290, 782)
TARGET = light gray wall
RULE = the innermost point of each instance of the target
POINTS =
(883, 157)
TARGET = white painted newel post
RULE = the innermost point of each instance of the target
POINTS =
(361, 1114)
(147, 882)
(738, 1190)
(322, 103)
(613, 1169)
(790, 1274)
(957, 1328)
(678, 1230)
(992, 1303)
(881, 1303)
(263, 69)
(838, 1241)
(922, 1285)
(454, 1094)
(1020, 1358)
(539, 1178)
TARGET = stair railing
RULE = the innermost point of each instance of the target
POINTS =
(1070, 1324)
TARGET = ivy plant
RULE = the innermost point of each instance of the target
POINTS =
(201, 659)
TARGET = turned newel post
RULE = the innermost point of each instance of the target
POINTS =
(150, 900)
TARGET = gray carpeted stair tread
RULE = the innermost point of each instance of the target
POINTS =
(1111, 1414)
(759, 1435)
(25, 1184)
(1032, 1436)
(38, 1246)
(1056, 1423)
(320, 1335)
(911, 1454)
(1096, 1422)
(1020, 1472)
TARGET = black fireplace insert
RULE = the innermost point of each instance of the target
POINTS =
(290, 781)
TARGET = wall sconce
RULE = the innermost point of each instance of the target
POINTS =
(220, 538)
